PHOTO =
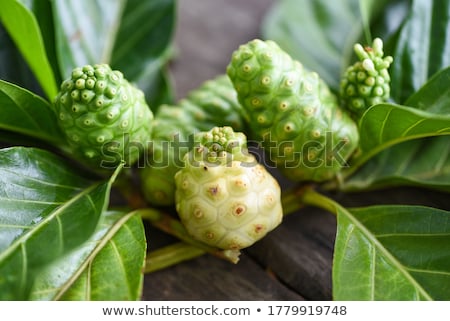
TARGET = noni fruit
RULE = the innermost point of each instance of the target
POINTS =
(105, 118)
(214, 103)
(367, 82)
(223, 196)
(292, 112)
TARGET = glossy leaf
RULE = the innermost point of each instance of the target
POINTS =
(85, 31)
(422, 47)
(20, 21)
(320, 33)
(434, 96)
(385, 125)
(43, 12)
(13, 67)
(143, 47)
(392, 253)
(23, 112)
(107, 267)
(46, 211)
(424, 162)
(132, 36)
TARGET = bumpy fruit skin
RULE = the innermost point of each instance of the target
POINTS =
(367, 82)
(214, 103)
(223, 196)
(292, 112)
(105, 119)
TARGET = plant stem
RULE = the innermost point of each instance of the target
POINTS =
(168, 224)
(171, 255)
(291, 200)
(312, 198)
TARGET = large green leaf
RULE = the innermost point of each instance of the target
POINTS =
(385, 125)
(320, 33)
(434, 96)
(424, 162)
(23, 112)
(24, 30)
(145, 32)
(43, 12)
(13, 67)
(46, 210)
(422, 47)
(132, 36)
(107, 267)
(392, 253)
(85, 31)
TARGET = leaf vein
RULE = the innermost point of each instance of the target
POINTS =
(407, 130)
(383, 125)
(371, 237)
(411, 235)
(47, 219)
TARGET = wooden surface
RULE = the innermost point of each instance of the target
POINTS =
(294, 261)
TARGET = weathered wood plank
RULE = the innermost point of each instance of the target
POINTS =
(209, 278)
(300, 252)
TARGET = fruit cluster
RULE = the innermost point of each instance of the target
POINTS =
(197, 156)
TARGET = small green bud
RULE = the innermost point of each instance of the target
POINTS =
(372, 79)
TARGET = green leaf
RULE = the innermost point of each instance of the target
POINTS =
(13, 67)
(392, 253)
(44, 15)
(24, 30)
(320, 34)
(434, 96)
(422, 47)
(23, 112)
(132, 36)
(107, 267)
(46, 211)
(385, 125)
(423, 162)
(142, 47)
(85, 31)
(145, 32)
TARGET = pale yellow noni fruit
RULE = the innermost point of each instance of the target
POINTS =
(226, 199)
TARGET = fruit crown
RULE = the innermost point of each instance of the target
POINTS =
(93, 85)
(219, 145)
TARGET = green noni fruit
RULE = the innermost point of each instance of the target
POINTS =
(105, 119)
(292, 112)
(214, 103)
(223, 196)
(367, 82)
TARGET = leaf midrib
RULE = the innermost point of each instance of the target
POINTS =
(372, 238)
(24, 237)
(107, 237)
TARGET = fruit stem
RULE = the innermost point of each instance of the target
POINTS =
(313, 198)
(291, 200)
(171, 255)
(168, 224)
